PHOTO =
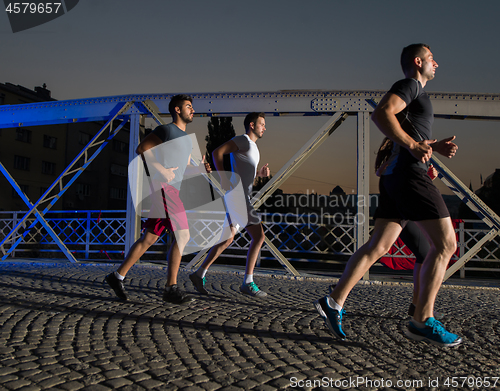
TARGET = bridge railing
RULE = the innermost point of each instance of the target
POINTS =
(100, 235)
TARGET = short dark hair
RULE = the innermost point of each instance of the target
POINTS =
(410, 52)
(176, 101)
(252, 117)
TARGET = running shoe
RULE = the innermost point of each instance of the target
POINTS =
(252, 289)
(199, 283)
(333, 318)
(434, 333)
(116, 285)
(174, 295)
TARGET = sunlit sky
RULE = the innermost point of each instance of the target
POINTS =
(116, 47)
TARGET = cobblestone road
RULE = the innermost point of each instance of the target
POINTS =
(61, 328)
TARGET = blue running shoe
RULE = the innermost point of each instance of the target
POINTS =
(434, 333)
(333, 318)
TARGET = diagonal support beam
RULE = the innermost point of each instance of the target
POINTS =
(277, 254)
(153, 109)
(483, 211)
(477, 205)
(469, 254)
(67, 172)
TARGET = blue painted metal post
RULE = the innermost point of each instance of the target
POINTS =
(87, 234)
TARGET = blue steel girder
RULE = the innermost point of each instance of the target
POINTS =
(95, 142)
(446, 105)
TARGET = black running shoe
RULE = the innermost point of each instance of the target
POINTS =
(333, 318)
(199, 283)
(116, 285)
(174, 295)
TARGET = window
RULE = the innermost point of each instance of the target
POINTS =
(48, 168)
(116, 169)
(120, 146)
(49, 142)
(24, 188)
(21, 162)
(118, 194)
(83, 138)
(43, 190)
(23, 135)
(83, 189)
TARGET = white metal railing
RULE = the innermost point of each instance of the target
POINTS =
(94, 234)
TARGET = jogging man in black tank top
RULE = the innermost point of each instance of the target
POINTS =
(405, 116)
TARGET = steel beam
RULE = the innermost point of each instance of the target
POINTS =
(447, 105)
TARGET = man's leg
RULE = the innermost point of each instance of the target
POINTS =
(330, 307)
(198, 277)
(174, 256)
(172, 293)
(416, 285)
(256, 233)
(115, 279)
(257, 236)
(137, 251)
(217, 250)
(441, 236)
(383, 237)
(423, 326)
(418, 244)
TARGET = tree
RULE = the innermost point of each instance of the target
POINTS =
(220, 130)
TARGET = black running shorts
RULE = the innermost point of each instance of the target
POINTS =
(410, 195)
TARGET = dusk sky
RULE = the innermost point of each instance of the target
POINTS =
(119, 47)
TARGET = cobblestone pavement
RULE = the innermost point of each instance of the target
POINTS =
(61, 328)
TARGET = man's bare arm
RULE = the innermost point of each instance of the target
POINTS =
(384, 117)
